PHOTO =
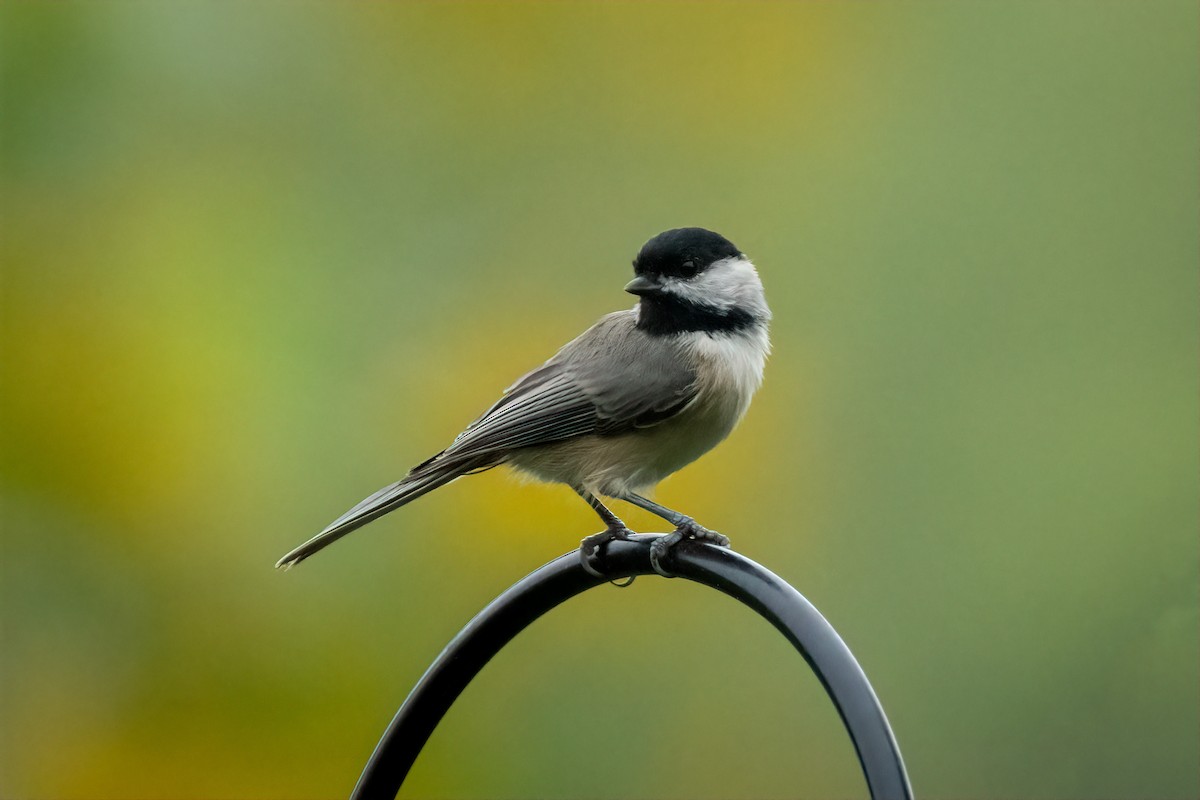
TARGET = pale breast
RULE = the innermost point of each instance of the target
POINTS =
(728, 368)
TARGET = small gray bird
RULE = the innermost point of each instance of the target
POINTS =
(639, 395)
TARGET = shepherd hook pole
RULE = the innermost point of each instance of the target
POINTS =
(564, 577)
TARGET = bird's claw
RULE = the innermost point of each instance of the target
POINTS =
(659, 548)
(687, 529)
(591, 550)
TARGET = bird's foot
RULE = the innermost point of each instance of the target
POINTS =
(688, 528)
(591, 550)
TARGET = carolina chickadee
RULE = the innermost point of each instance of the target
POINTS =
(639, 395)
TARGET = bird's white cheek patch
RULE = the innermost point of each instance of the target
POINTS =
(726, 284)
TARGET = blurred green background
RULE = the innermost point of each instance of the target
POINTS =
(259, 259)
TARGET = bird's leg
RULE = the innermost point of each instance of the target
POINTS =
(685, 528)
(590, 548)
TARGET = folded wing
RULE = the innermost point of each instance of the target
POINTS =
(612, 379)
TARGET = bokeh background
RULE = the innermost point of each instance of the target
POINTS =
(260, 258)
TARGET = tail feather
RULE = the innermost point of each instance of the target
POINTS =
(420, 481)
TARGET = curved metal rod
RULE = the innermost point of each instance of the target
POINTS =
(564, 577)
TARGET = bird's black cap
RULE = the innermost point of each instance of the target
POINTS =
(682, 252)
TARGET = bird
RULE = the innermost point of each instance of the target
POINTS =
(634, 398)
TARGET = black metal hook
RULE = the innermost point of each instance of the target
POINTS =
(564, 577)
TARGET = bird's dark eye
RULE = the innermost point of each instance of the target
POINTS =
(688, 269)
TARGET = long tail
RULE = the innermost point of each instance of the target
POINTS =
(421, 480)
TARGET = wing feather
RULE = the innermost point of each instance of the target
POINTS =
(612, 379)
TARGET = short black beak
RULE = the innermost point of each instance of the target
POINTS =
(642, 286)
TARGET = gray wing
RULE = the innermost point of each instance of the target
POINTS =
(612, 379)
